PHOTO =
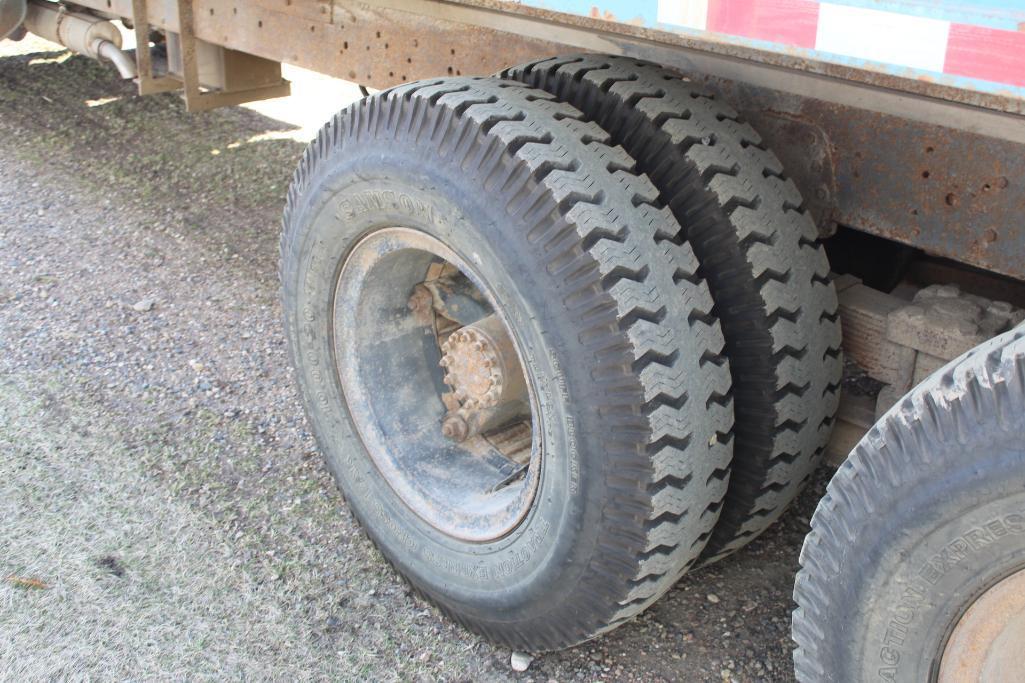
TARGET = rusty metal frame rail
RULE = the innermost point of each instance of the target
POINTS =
(890, 157)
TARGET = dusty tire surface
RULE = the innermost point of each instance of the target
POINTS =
(758, 249)
(927, 513)
(614, 321)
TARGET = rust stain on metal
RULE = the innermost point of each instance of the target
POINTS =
(483, 370)
(949, 192)
(421, 304)
(481, 365)
(985, 644)
(472, 368)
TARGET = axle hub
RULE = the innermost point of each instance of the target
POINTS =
(483, 370)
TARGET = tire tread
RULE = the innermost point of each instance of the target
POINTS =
(759, 250)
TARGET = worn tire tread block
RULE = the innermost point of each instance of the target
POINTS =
(758, 249)
(603, 233)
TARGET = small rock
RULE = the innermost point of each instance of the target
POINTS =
(520, 661)
(713, 598)
(143, 305)
(112, 565)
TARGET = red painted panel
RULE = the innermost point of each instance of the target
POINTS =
(988, 54)
(792, 22)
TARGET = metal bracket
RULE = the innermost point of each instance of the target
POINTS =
(195, 98)
(148, 83)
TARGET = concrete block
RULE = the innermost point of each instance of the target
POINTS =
(854, 417)
(925, 365)
(945, 328)
(863, 316)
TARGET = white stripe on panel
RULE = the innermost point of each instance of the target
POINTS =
(688, 13)
(916, 42)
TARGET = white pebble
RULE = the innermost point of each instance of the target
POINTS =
(520, 661)
(143, 305)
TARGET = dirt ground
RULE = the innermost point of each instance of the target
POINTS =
(164, 513)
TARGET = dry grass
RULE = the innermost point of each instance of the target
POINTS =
(138, 581)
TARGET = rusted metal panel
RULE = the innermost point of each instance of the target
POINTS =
(373, 46)
(973, 46)
(949, 192)
(892, 156)
(616, 30)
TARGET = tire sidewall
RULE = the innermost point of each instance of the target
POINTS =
(529, 570)
(955, 534)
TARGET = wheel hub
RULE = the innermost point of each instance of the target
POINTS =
(472, 366)
(986, 642)
(466, 465)
(483, 371)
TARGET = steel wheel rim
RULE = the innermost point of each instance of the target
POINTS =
(986, 642)
(393, 387)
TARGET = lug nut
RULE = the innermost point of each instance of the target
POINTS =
(455, 428)
(420, 300)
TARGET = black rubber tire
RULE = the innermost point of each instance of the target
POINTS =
(927, 513)
(614, 324)
(760, 252)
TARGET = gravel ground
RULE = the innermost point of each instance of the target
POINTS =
(164, 513)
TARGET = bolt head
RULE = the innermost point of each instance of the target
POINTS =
(420, 300)
(455, 428)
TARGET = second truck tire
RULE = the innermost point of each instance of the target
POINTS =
(914, 569)
(758, 249)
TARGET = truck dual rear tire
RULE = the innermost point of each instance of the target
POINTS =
(914, 569)
(497, 189)
(758, 249)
